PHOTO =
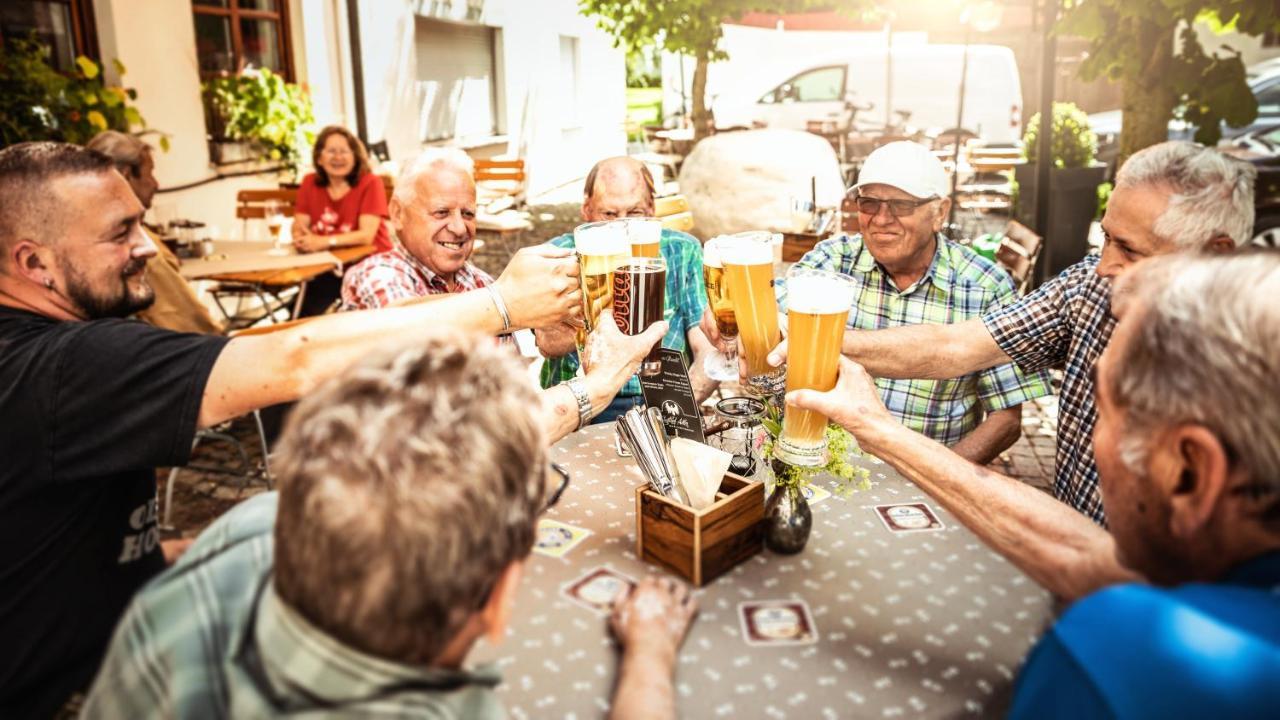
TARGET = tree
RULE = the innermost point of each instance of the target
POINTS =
(1151, 48)
(689, 27)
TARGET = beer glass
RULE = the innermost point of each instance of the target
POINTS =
(273, 211)
(639, 300)
(601, 247)
(818, 307)
(721, 366)
(748, 269)
(645, 235)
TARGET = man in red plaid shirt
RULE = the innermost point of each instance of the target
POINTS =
(433, 212)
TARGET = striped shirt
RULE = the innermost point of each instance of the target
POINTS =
(959, 285)
(211, 638)
(1067, 321)
(686, 298)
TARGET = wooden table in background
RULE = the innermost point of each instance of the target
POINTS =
(298, 275)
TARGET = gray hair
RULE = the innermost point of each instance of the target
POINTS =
(425, 161)
(127, 151)
(1206, 351)
(1212, 193)
(407, 486)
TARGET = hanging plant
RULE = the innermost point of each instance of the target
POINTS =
(259, 107)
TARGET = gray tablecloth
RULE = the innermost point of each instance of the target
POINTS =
(928, 624)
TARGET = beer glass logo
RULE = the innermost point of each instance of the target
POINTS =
(622, 290)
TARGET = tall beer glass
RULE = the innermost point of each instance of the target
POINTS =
(818, 307)
(720, 366)
(645, 235)
(639, 300)
(601, 247)
(748, 267)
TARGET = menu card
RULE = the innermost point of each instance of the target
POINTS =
(672, 393)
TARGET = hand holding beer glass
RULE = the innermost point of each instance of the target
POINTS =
(639, 300)
(601, 248)
(721, 366)
(748, 270)
(818, 303)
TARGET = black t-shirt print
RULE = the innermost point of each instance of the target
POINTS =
(88, 410)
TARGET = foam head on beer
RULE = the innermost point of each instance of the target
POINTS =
(819, 293)
(602, 238)
(645, 235)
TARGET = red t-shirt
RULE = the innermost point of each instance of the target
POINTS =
(330, 217)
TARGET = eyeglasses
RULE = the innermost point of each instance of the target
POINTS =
(897, 208)
(564, 483)
(336, 152)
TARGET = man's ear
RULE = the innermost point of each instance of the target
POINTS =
(1220, 244)
(396, 211)
(497, 610)
(944, 209)
(28, 261)
(1198, 477)
(585, 210)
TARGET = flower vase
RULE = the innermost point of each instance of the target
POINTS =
(787, 520)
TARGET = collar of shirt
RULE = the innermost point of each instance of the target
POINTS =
(303, 665)
(941, 272)
(1262, 571)
(465, 278)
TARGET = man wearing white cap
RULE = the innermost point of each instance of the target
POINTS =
(906, 273)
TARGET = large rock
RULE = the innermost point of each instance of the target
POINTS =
(746, 180)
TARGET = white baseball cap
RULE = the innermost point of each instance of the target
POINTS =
(908, 166)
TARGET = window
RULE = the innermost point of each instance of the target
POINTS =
(232, 35)
(456, 80)
(820, 85)
(64, 26)
(568, 102)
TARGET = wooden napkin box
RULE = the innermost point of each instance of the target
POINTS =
(701, 545)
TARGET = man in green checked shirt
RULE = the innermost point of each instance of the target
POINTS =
(622, 187)
(907, 273)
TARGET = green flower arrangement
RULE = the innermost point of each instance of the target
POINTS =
(841, 446)
(259, 107)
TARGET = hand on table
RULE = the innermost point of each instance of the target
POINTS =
(540, 287)
(306, 242)
(654, 618)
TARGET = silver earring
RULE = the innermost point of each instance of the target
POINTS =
(48, 282)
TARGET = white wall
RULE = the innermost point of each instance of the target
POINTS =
(528, 70)
(1249, 47)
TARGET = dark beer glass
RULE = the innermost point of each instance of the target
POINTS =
(639, 300)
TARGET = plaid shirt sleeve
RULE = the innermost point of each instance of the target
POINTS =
(1036, 331)
(378, 282)
(690, 298)
(1006, 386)
(831, 255)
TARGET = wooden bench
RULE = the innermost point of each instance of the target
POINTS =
(1018, 253)
(500, 184)
(252, 204)
(674, 212)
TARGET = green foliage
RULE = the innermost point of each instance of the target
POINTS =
(37, 102)
(1074, 143)
(643, 69)
(1133, 43)
(841, 446)
(1104, 197)
(258, 106)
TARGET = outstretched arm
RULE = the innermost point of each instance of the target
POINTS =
(650, 624)
(1057, 546)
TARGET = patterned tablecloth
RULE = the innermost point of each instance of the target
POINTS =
(926, 624)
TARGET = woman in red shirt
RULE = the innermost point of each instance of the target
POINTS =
(342, 203)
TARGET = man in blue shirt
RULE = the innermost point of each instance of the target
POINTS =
(1188, 450)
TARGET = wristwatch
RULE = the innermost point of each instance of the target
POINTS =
(579, 390)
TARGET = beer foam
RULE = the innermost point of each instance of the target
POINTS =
(711, 253)
(746, 252)
(644, 231)
(609, 238)
(819, 293)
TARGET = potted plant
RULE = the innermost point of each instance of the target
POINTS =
(787, 518)
(37, 102)
(268, 117)
(1073, 184)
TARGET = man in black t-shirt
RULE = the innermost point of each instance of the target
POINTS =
(91, 403)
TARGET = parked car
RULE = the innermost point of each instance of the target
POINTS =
(1264, 81)
(1261, 147)
(926, 85)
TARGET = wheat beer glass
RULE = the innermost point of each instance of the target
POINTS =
(818, 306)
(601, 248)
(748, 269)
(645, 235)
(720, 366)
(639, 300)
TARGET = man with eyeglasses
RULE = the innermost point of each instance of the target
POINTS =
(409, 493)
(906, 272)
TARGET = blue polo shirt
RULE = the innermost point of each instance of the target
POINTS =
(1136, 651)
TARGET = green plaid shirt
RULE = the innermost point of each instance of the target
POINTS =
(686, 299)
(959, 285)
(210, 638)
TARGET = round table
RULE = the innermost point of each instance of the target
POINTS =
(917, 624)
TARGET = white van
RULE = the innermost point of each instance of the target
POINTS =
(926, 82)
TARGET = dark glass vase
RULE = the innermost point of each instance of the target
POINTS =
(787, 520)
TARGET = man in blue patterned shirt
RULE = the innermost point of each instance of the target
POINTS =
(905, 272)
(622, 187)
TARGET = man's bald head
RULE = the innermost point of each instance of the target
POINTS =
(618, 187)
(31, 208)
